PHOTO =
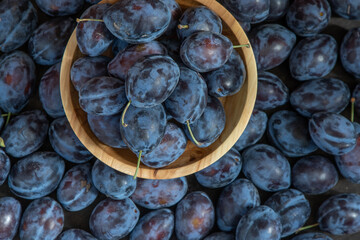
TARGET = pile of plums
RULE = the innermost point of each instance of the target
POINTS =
(293, 174)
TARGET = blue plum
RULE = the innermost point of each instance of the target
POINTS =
(158, 224)
(272, 44)
(75, 234)
(271, 92)
(4, 166)
(205, 51)
(347, 9)
(278, 9)
(288, 131)
(93, 38)
(222, 172)
(17, 80)
(42, 219)
(36, 175)
(266, 167)
(171, 147)
(220, 236)
(194, 216)
(76, 190)
(254, 130)
(112, 183)
(113, 219)
(350, 52)
(313, 57)
(248, 10)
(332, 133)
(64, 141)
(308, 17)
(86, 68)
(320, 95)
(49, 92)
(118, 45)
(293, 209)
(176, 13)
(60, 7)
(340, 214)
(260, 223)
(25, 133)
(47, 43)
(19, 20)
(10, 215)
(312, 236)
(156, 194)
(235, 201)
(137, 21)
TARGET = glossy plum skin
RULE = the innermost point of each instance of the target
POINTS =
(60, 8)
(198, 18)
(17, 80)
(49, 92)
(272, 44)
(188, 100)
(123, 21)
(210, 124)
(176, 13)
(19, 21)
(314, 175)
(350, 52)
(4, 166)
(248, 10)
(86, 68)
(332, 133)
(171, 147)
(340, 214)
(205, 51)
(113, 219)
(293, 209)
(112, 183)
(156, 194)
(36, 175)
(260, 223)
(235, 201)
(194, 217)
(278, 9)
(107, 129)
(313, 57)
(346, 9)
(145, 128)
(266, 167)
(158, 224)
(119, 66)
(10, 215)
(42, 219)
(348, 164)
(326, 94)
(47, 43)
(288, 131)
(220, 236)
(271, 93)
(151, 80)
(25, 133)
(65, 142)
(254, 130)
(228, 79)
(102, 96)
(222, 172)
(93, 38)
(308, 17)
(312, 236)
(75, 234)
(76, 190)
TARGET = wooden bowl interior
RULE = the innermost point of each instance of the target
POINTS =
(238, 110)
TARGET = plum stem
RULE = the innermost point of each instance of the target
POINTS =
(352, 108)
(88, 20)
(306, 227)
(123, 114)
(138, 164)
(2, 143)
(181, 26)
(191, 134)
(242, 45)
(7, 115)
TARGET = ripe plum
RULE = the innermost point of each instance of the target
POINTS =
(60, 7)
(4, 167)
(75, 234)
(10, 215)
(350, 52)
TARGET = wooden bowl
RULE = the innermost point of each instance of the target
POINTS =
(238, 110)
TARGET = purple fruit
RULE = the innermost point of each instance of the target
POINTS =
(75, 234)
(350, 52)
(248, 10)
(4, 166)
(220, 236)
(312, 236)
(346, 8)
(278, 9)
(176, 12)
(10, 214)
(60, 7)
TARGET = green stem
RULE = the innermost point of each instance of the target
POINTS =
(191, 134)
(180, 26)
(88, 20)
(242, 45)
(8, 118)
(2, 143)
(123, 114)
(138, 164)
(306, 227)
(352, 109)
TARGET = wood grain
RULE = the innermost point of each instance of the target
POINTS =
(238, 110)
